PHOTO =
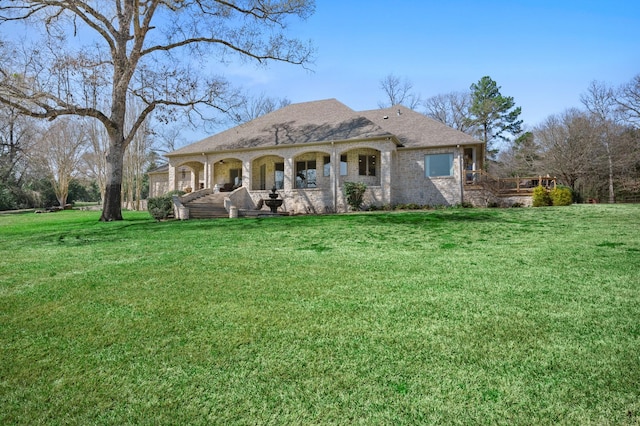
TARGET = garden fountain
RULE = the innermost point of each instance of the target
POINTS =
(273, 202)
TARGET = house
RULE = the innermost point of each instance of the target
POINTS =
(308, 150)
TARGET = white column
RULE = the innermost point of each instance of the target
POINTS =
(385, 176)
(172, 178)
(289, 178)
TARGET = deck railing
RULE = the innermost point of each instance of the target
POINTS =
(514, 185)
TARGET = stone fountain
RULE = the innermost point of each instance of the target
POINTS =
(273, 202)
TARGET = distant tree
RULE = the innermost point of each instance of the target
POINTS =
(254, 107)
(451, 109)
(569, 142)
(88, 57)
(16, 137)
(494, 115)
(628, 100)
(521, 158)
(136, 160)
(399, 91)
(59, 152)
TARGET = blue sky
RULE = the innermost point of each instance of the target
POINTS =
(543, 53)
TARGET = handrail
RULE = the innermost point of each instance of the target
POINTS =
(516, 184)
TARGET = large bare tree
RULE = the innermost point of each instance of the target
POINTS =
(569, 142)
(82, 54)
(451, 109)
(59, 153)
(399, 91)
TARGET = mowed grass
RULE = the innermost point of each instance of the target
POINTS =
(461, 316)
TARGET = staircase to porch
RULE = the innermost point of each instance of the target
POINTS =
(208, 207)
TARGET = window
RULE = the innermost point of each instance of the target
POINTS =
(279, 175)
(367, 165)
(236, 176)
(438, 165)
(343, 166)
(306, 174)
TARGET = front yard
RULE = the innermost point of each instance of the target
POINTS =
(458, 316)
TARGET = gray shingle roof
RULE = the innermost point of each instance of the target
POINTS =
(329, 120)
(415, 130)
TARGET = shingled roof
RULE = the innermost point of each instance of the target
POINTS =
(415, 130)
(329, 120)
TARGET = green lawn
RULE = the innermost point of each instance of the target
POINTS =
(460, 316)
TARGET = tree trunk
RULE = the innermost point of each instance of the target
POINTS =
(112, 206)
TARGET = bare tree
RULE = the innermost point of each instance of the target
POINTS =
(15, 138)
(628, 100)
(569, 141)
(135, 160)
(103, 52)
(59, 152)
(600, 102)
(254, 107)
(95, 156)
(399, 91)
(451, 109)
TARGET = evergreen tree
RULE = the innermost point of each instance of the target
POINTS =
(493, 114)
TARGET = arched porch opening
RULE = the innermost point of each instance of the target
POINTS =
(312, 170)
(267, 172)
(227, 174)
(360, 165)
(190, 176)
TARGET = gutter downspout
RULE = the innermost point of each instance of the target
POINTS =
(334, 177)
(462, 175)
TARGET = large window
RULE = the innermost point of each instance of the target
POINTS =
(343, 165)
(279, 175)
(306, 174)
(367, 165)
(436, 165)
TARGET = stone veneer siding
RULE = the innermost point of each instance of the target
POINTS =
(411, 185)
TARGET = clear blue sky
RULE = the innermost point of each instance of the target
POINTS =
(543, 53)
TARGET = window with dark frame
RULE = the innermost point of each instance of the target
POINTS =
(306, 174)
(367, 165)
(279, 175)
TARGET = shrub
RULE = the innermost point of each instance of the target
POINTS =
(354, 192)
(561, 196)
(161, 207)
(541, 197)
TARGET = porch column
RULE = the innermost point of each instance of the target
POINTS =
(172, 178)
(289, 178)
(246, 174)
(207, 173)
(385, 176)
(195, 179)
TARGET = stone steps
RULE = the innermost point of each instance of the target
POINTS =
(207, 207)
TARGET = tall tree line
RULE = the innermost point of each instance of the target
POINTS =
(595, 150)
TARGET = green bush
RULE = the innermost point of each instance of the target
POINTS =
(541, 197)
(354, 192)
(561, 196)
(161, 207)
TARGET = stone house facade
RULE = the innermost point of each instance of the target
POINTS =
(308, 151)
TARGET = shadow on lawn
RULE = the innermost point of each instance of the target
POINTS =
(81, 234)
